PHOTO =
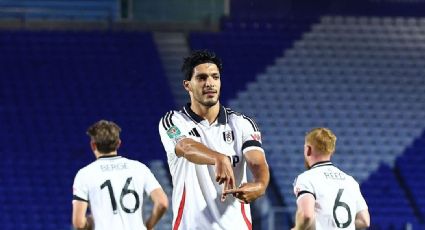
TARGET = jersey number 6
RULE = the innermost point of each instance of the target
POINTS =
(337, 204)
(124, 192)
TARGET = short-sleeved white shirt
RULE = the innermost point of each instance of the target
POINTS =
(114, 188)
(196, 195)
(338, 197)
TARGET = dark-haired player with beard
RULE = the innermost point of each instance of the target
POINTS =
(208, 148)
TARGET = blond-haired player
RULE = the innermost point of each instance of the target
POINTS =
(327, 198)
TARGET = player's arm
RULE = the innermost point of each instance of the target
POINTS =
(250, 191)
(160, 206)
(176, 138)
(79, 219)
(304, 217)
(362, 219)
(198, 153)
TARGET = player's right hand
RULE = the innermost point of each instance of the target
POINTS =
(224, 172)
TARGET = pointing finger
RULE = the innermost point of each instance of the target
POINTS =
(223, 194)
(232, 191)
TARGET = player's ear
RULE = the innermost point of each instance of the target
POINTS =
(186, 85)
(93, 146)
(119, 144)
(308, 150)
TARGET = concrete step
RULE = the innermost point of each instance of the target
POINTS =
(172, 47)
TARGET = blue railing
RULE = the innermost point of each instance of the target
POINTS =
(60, 10)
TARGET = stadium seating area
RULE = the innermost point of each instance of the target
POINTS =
(53, 86)
(395, 197)
(409, 167)
(387, 202)
(362, 77)
(247, 46)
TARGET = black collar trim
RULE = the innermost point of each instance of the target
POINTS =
(222, 114)
(109, 157)
(321, 163)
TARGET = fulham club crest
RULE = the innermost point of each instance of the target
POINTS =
(228, 136)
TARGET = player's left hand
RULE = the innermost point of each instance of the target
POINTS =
(247, 192)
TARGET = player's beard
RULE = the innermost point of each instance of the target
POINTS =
(306, 164)
(209, 102)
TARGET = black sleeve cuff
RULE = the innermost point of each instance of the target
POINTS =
(250, 144)
(79, 198)
(303, 192)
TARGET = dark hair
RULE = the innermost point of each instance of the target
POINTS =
(198, 57)
(106, 135)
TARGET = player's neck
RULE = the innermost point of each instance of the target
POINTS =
(319, 159)
(98, 154)
(210, 113)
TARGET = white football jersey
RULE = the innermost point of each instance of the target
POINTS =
(114, 188)
(196, 194)
(338, 196)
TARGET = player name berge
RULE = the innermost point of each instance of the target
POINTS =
(111, 167)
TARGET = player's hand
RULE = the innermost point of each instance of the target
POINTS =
(90, 222)
(224, 173)
(247, 192)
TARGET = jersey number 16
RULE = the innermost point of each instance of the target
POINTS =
(124, 192)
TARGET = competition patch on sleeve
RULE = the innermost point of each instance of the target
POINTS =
(303, 185)
(173, 132)
(296, 189)
(256, 136)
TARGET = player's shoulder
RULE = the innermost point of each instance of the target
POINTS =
(312, 175)
(134, 162)
(345, 174)
(236, 116)
(300, 177)
(172, 113)
(351, 179)
(304, 176)
(86, 170)
(168, 120)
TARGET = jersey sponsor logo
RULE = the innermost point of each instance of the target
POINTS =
(228, 136)
(235, 160)
(256, 136)
(173, 132)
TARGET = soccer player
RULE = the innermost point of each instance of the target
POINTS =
(208, 149)
(327, 198)
(114, 186)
